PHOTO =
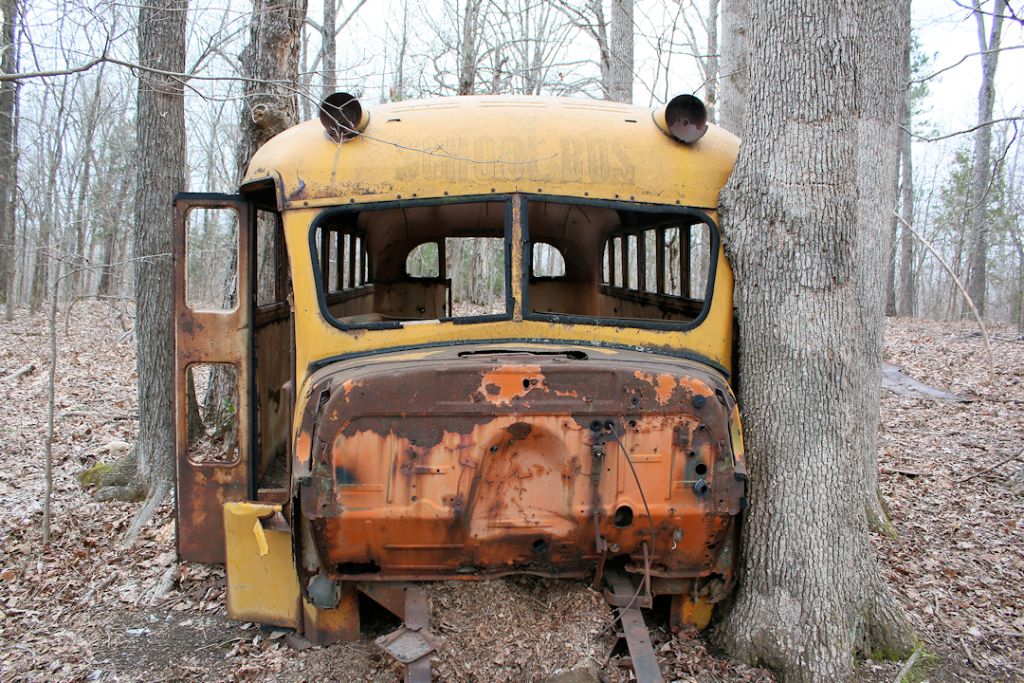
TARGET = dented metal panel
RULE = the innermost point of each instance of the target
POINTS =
(553, 145)
(478, 462)
(261, 581)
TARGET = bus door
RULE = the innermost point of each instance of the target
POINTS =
(215, 414)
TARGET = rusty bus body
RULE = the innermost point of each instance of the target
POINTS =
(583, 423)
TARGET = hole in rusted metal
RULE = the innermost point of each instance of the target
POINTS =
(358, 568)
(623, 517)
(595, 426)
(701, 469)
(540, 546)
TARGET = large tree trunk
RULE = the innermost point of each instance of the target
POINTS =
(161, 160)
(734, 76)
(982, 176)
(620, 87)
(807, 246)
(8, 150)
(270, 63)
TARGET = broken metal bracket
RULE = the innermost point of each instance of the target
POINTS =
(413, 644)
(641, 651)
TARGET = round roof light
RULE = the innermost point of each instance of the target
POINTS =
(686, 118)
(342, 116)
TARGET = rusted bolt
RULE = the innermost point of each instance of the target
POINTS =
(595, 426)
(614, 547)
(494, 448)
(699, 400)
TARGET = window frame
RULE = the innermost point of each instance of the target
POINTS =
(680, 326)
(318, 279)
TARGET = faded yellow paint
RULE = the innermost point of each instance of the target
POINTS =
(261, 580)
(317, 339)
(546, 145)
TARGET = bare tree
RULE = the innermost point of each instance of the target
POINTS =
(328, 54)
(734, 74)
(810, 594)
(161, 161)
(982, 178)
(468, 47)
(619, 86)
(907, 299)
(8, 151)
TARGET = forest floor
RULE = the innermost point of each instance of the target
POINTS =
(82, 608)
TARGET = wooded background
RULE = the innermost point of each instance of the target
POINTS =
(68, 150)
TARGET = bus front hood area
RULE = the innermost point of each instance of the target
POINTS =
(477, 461)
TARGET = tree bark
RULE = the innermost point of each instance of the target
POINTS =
(733, 74)
(270, 62)
(161, 161)
(468, 47)
(803, 234)
(712, 61)
(620, 87)
(907, 299)
(878, 82)
(329, 50)
(8, 148)
(982, 176)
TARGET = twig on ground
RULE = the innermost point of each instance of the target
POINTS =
(19, 372)
(908, 666)
(989, 469)
(963, 290)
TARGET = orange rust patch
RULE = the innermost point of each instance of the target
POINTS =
(572, 393)
(348, 385)
(663, 384)
(510, 382)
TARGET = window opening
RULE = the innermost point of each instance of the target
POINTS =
(476, 266)
(211, 248)
(423, 261)
(412, 263)
(622, 261)
(547, 261)
(212, 395)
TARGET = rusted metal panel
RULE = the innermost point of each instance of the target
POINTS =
(472, 463)
(203, 336)
(338, 625)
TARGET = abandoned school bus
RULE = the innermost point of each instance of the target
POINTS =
(469, 338)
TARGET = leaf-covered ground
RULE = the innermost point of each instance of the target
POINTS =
(84, 608)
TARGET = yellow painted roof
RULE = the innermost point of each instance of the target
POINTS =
(478, 145)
